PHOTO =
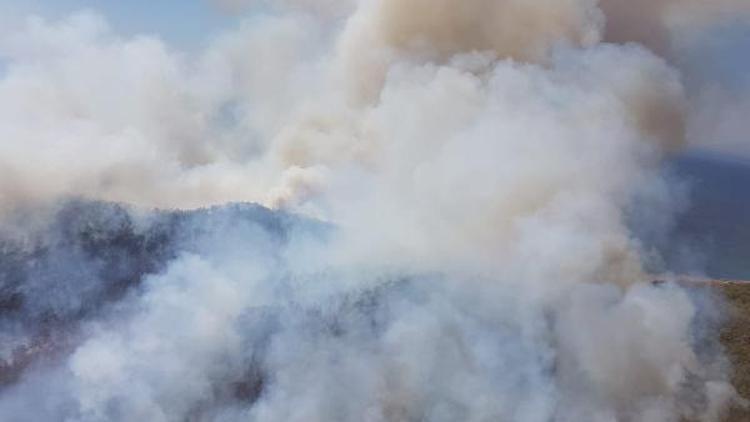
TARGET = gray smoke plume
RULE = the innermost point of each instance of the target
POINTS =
(454, 186)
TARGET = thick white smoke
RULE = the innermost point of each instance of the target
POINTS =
(129, 120)
(476, 161)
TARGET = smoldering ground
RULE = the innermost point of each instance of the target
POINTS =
(454, 236)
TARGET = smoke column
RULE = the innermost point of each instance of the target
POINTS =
(452, 182)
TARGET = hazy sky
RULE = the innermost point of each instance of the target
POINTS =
(186, 23)
(714, 62)
(181, 22)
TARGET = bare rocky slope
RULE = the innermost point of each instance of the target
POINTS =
(735, 336)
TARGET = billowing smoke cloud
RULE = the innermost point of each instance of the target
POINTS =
(129, 120)
(707, 41)
(475, 164)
